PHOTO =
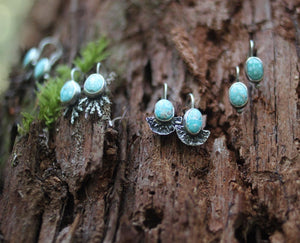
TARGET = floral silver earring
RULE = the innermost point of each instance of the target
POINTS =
(163, 122)
(191, 132)
(95, 89)
(254, 68)
(69, 95)
(238, 93)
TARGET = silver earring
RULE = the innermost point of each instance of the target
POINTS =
(95, 89)
(238, 93)
(69, 95)
(254, 68)
(33, 54)
(190, 132)
(43, 66)
(163, 122)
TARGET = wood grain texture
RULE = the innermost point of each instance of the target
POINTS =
(91, 183)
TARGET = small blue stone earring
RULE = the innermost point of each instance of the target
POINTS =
(238, 93)
(69, 95)
(254, 68)
(31, 57)
(95, 89)
(43, 66)
(33, 54)
(190, 132)
(163, 122)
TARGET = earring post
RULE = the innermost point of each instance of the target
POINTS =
(73, 72)
(98, 67)
(165, 91)
(251, 48)
(192, 100)
(237, 73)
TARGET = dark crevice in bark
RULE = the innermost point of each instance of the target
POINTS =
(67, 212)
(81, 194)
(109, 201)
(298, 86)
(1, 238)
(257, 228)
(153, 217)
(147, 85)
(275, 92)
(13, 135)
(114, 200)
(39, 225)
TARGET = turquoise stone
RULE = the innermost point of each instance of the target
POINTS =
(41, 68)
(94, 85)
(70, 92)
(164, 110)
(238, 95)
(254, 69)
(193, 121)
(31, 57)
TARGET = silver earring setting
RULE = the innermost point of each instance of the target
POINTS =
(254, 68)
(238, 93)
(95, 89)
(163, 122)
(69, 95)
(191, 132)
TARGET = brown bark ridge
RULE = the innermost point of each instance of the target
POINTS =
(90, 183)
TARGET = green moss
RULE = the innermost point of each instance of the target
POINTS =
(27, 119)
(48, 94)
(91, 54)
(49, 100)
(63, 72)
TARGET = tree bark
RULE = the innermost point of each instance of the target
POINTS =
(89, 183)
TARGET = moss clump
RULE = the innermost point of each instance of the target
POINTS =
(27, 119)
(49, 101)
(91, 54)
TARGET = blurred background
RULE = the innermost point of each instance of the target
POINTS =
(12, 16)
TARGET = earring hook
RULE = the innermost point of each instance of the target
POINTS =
(98, 67)
(47, 41)
(192, 100)
(237, 73)
(73, 71)
(251, 48)
(165, 91)
(51, 41)
(56, 55)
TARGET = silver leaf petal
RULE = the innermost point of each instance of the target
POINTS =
(163, 128)
(191, 140)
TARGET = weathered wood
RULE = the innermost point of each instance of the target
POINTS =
(90, 183)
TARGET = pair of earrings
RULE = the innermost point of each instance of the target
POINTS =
(95, 90)
(42, 66)
(189, 128)
(238, 92)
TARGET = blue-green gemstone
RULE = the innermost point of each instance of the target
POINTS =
(254, 69)
(238, 95)
(41, 68)
(70, 92)
(94, 85)
(164, 110)
(31, 57)
(193, 121)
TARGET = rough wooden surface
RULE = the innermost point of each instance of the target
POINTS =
(90, 183)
